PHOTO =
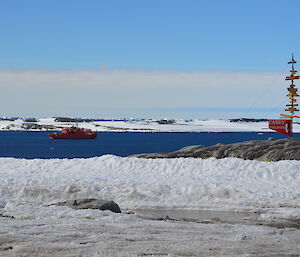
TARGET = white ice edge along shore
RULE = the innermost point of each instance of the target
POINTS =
(150, 126)
(216, 184)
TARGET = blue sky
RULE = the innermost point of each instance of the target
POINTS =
(178, 37)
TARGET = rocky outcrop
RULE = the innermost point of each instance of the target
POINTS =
(65, 119)
(90, 203)
(248, 120)
(166, 122)
(32, 126)
(267, 150)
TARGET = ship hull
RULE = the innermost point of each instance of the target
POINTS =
(73, 134)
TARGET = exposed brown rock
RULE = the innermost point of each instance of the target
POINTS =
(262, 150)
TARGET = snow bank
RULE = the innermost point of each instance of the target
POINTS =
(228, 183)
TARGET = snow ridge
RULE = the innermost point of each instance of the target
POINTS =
(188, 183)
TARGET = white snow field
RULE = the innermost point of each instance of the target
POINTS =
(152, 125)
(271, 189)
(157, 183)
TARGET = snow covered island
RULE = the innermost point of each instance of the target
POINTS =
(139, 125)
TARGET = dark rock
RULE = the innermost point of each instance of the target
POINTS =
(90, 203)
(6, 216)
(166, 121)
(30, 120)
(32, 125)
(6, 248)
(262, 150)
(65, 119)
(248, 120)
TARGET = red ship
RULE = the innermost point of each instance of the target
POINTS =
(74, 133)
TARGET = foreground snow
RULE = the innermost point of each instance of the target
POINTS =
(148, 126)
(229, 183)
(91, 233)
(27, 186)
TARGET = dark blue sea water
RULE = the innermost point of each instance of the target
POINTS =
(37, 144)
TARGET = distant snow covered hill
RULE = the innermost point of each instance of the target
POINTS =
(140, 125)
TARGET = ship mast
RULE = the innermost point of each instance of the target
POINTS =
(293, 92)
